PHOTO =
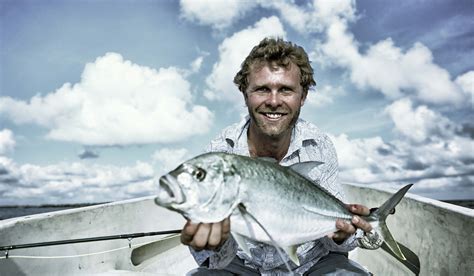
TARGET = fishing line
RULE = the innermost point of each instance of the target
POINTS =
(275, 244)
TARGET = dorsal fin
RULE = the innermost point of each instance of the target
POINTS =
(304, 168)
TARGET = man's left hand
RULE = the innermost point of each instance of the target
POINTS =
(346, 229)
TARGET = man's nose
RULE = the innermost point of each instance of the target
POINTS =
(274, 99)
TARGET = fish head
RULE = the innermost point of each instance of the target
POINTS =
(203, 189)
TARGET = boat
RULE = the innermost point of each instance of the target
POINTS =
(439, 233)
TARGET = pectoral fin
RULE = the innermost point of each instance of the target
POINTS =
(291, 251)
(241, 242)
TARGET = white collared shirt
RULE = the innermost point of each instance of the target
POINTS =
(307, 143)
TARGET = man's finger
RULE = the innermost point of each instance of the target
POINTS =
(201, 237)
(188, 232)
(215, 236)
(339, 236)
(225, 229)
(362, 224)
(345, 227)
(359, 209)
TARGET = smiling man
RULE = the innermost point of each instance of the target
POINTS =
(275, 79)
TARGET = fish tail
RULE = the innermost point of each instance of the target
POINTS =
(381, 215)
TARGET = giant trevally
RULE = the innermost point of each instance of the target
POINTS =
(267, 202)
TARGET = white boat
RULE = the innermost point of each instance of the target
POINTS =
(441, 234)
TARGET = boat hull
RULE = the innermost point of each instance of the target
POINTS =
(439, 233)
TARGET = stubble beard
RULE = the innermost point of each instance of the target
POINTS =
(274, 131)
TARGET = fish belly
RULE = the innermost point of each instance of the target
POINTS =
(291, 219)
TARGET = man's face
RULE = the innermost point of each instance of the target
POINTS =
(274, 97)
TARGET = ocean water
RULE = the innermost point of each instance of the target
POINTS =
(7, 212)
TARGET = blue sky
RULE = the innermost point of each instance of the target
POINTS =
(98, 97)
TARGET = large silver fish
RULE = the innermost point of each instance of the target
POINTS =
(267, 202)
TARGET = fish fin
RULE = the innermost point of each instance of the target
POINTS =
(412, 261)
(381, 214)
(244, 212)
(304, 168)
(291, 251)
(241, 242)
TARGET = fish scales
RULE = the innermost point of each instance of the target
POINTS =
(266, 202)
(270, 187)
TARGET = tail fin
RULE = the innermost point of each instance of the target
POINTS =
(412, 261)
(381, 214)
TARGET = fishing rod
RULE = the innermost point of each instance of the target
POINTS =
(92, 239)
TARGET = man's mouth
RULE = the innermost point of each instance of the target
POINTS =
(273, 115)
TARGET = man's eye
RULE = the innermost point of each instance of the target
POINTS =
(199, 174)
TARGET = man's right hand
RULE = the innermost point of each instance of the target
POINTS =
(205, 235)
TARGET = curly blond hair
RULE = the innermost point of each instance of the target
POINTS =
(278, 51)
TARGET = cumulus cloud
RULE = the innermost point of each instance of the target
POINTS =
(168, 159)
(466, 82)
(314, 16)
(72, 182)
(7, 141)
(232, 52)
(323, 96)
(218, 14)
(430, 151)
(390, 70)
(420, 123)
(116, 102)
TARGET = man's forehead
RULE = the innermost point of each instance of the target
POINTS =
(285, 64)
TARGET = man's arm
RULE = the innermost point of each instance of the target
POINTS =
(343, 239)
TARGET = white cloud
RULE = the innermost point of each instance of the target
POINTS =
(323, 96)
(217, 13)
(168, 159)
(196, 64)
(373, 160)
(386, 68)
(420, 123)
(466, 82)
(73, 182)
(116, 103)
(430, 151)
(232, 52)
(7, 141)
(315, 16)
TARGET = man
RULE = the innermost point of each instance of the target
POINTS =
(275, 79)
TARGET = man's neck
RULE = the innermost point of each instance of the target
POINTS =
(261, 145)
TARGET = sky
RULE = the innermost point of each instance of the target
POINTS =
(99, 98)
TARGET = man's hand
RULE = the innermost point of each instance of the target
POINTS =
(347, 229)
(205, 235)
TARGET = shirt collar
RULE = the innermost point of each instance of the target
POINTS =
(300, 138)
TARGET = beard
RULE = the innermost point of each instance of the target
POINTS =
(274, 129)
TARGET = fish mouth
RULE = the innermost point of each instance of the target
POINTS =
(169, 191)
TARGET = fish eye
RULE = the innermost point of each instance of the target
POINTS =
(199, 174)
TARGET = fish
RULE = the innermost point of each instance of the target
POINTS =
(266, 202)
